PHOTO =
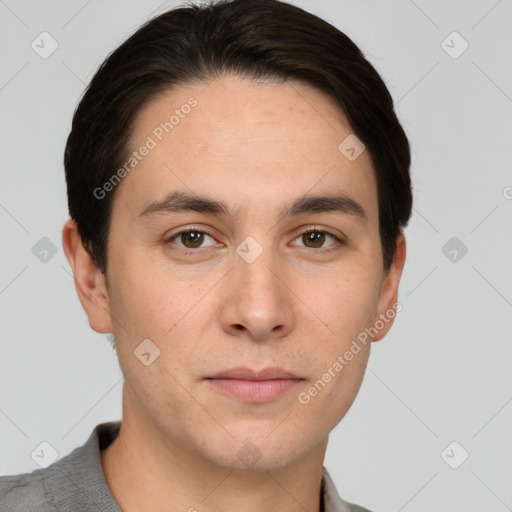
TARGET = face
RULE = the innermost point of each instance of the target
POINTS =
(244, 239)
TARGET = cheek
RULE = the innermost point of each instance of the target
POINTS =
(147, 301)
(347, 305)
(160, 394)
(163, 308)
(346, 385)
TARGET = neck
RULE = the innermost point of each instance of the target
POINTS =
(147, 471)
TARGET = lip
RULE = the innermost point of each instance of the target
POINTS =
(254, 386)
(243, 373)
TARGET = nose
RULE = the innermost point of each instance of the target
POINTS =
(259, 302)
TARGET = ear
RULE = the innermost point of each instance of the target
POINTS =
(388, 301)
(89, 281)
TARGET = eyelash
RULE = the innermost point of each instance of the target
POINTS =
(187, 250)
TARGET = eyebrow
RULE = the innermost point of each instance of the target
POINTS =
(178, 202)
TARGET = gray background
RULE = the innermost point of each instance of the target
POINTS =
(441, 375)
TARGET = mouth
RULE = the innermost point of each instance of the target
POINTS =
(252, 386)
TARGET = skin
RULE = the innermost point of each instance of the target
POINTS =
(257, 147)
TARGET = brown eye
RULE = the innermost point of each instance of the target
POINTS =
(315, 238)
(190, 239)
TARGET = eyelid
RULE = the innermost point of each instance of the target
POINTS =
(322, 229)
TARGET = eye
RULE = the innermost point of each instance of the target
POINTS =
(310, 239)
(190, 238)
(315, 239)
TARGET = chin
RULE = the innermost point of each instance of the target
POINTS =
(257, 451)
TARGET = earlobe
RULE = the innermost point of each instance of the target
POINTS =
(89, 281)
(388, 301)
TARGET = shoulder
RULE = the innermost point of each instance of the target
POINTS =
(74, 482)
(26, 492)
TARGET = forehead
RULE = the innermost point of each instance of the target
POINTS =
(251, 142)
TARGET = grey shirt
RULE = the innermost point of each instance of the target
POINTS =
(77, 483)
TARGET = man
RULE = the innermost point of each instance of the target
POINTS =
(238, 184)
